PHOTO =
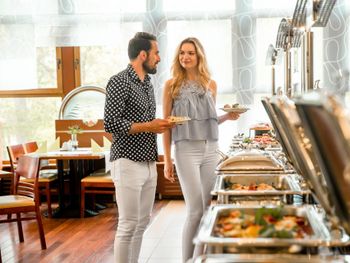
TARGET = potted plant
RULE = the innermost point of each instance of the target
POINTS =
(74, 131)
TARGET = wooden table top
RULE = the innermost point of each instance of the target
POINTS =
(79, 154)
(4, 174)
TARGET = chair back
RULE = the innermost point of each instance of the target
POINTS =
(30, 147)
(27, 167)
(95, 132)
(14, 152)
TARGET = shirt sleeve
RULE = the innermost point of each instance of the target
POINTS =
(117, 94)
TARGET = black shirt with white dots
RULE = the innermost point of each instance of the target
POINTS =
(129, 100)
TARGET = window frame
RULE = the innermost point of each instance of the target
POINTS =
(46, 92)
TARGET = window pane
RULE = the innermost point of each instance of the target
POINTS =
(219, 53)
(22, 64)
(198, 5)
(25, 119)
(275, 4)
(99, 63)
(109, 6)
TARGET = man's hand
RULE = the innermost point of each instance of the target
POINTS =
(159, 125)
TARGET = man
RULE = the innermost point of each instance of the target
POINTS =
(130, 116)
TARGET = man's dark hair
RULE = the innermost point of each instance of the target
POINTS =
(141, 41)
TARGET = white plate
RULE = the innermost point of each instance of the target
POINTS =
(180, 120)
(237, 110)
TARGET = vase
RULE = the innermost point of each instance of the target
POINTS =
(74, 140)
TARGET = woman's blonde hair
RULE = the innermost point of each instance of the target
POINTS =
(179, 73)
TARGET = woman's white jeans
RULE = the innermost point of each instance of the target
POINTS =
(195, 163)
(135, 184)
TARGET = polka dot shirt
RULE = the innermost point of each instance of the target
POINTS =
(129, 100)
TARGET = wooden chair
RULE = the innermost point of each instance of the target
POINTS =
(30, 147)
(47, 177)
(25, 198)
(98, 182)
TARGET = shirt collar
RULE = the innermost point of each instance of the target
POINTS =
(135, 77)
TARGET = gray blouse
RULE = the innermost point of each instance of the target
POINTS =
(198, 104)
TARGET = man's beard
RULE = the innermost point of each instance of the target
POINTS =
(148, 69)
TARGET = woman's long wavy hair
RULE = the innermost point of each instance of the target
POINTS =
(179, 73)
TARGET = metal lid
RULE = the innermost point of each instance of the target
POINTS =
(327, 124)
(303, 155)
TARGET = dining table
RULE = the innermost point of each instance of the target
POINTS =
(6, 182)
(81, 164)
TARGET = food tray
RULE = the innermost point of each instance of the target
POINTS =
(318, 234)
(285, 186)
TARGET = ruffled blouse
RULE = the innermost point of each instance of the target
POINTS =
(198, 104)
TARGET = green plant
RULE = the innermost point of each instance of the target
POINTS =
(75, 129)
(247, 140)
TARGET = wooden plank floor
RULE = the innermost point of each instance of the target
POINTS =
(68, 240)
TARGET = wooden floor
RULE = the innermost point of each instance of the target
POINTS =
(68, 240)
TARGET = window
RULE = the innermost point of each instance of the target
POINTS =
(273, 4)
(23, 65)
(99, 63)
(198, 5)
(266, 32)
(25, 119)
(219, 53)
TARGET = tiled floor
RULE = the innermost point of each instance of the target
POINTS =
(162, 239)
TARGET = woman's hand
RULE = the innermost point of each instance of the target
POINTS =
(232, 116)
(169, 171)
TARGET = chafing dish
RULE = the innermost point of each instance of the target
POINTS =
(265, 258)
(250, 161)
(327, 124)
(318, 233)
(284, 187)
(299, 148)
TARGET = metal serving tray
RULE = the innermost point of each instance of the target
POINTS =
(250, 162)
(285, 187)
(319, 236)
(266, 258)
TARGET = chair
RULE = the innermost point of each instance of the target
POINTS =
(98, 182)
(25, 198)
(30, 147)
(47, 177)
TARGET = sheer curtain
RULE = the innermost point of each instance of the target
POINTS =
(235, 35)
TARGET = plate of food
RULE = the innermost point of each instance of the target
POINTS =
(234, 108)
(178, 119)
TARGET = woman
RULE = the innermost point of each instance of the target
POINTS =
(191, 92)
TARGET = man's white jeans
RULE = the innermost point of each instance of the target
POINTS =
(135, 184)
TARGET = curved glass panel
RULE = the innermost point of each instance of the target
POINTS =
(86, 103)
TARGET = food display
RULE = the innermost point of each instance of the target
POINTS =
(257, 228)
(265, 141)
(259, 189)
(266, 222)
(250, 187)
